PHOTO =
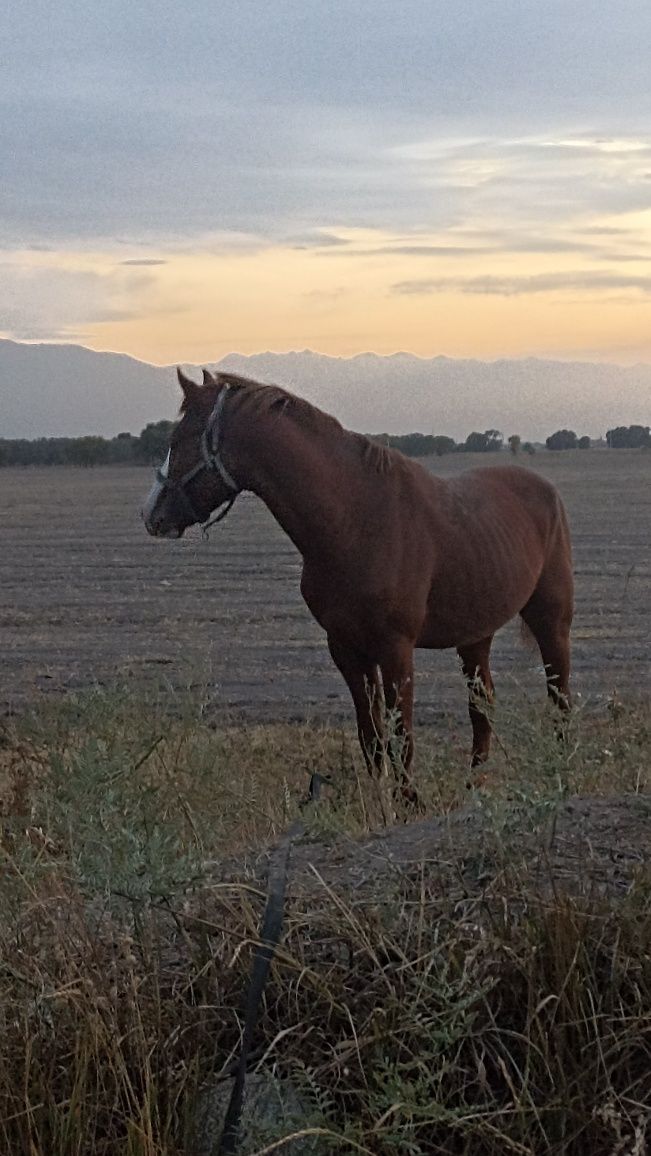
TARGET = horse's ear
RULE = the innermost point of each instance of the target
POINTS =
(188, 386)
(208, 378)
(279, 404)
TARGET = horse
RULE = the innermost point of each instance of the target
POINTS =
(394, 558)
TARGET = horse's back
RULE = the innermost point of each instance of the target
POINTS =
(509, 486)
(478, 501)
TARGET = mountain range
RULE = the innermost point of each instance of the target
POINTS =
(68, 390)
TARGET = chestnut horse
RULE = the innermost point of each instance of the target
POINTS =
(393, 557)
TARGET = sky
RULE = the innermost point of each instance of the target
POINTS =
(467, 178)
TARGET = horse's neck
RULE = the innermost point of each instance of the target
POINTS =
(306, 481)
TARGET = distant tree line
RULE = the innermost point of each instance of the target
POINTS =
(125, 449)
(630, 437)
(566, 439)
(150, 446)
(624, 437)
(418, 445)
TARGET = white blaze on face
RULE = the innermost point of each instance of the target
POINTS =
(156, 490)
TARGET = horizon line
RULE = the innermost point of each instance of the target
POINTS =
(556, 359)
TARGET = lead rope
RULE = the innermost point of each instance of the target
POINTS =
(218, 517)
(272, 923)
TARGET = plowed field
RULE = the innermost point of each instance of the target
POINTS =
(86, 597)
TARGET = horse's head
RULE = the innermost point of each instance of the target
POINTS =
(193, 481)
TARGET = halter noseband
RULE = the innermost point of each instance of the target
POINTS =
(210, 460)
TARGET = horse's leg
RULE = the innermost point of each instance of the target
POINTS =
(549, 622)
(363, 681)
(548, 614)
(474, 662)
(398, 680)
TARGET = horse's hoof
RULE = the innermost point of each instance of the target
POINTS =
(477, 782)
(411, 801)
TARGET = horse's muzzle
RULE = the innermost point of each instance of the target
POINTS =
(158, 529)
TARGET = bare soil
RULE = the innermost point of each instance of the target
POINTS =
(589, 845)
(87, 598)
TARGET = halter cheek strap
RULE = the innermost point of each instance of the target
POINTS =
(210, 444)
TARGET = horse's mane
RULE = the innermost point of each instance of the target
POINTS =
(256, 398)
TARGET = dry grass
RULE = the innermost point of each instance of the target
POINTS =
(502, 1017)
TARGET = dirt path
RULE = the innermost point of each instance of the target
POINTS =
(592, 846)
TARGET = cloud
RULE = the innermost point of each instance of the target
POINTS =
(423, 250)
(317, 239)
(512, 286)
(46, 303)
(434, 137)
(147, 262)
(604, 230)
(509, 243)
(325, 298)
(278, 120)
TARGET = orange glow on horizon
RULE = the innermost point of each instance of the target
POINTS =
(369, 293)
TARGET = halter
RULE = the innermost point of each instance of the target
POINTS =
(210, 460)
